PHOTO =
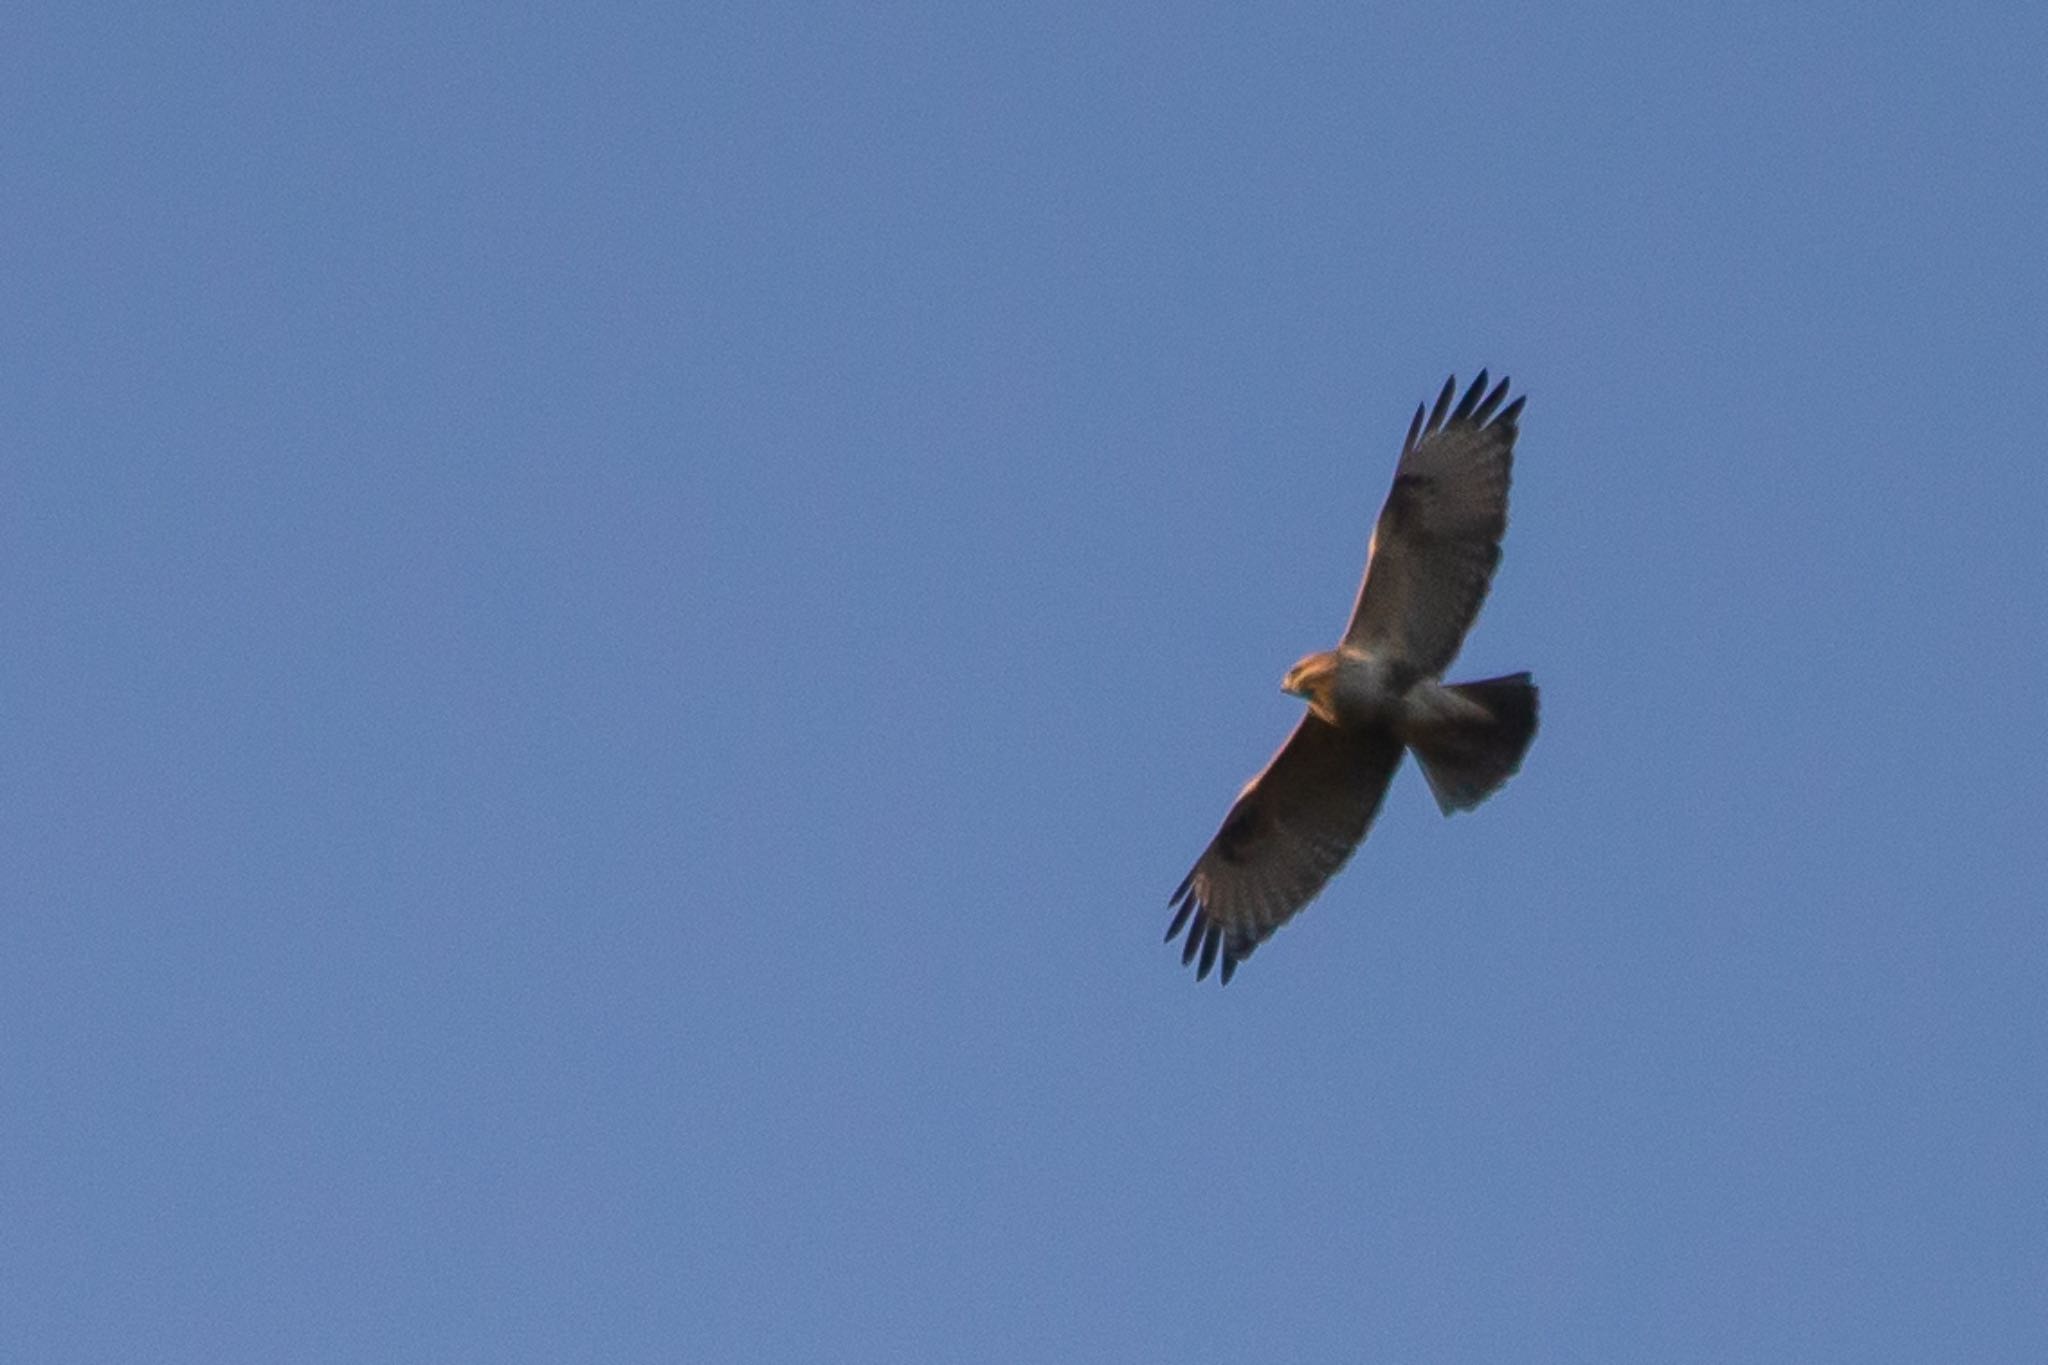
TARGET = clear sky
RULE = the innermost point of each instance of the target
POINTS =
(618, 619)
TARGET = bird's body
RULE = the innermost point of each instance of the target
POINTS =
(1380, 692)
(1349, 687)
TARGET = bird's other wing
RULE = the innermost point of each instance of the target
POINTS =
(1289, 831)
(1437, 540)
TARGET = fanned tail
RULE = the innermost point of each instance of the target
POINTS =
(1467, 759)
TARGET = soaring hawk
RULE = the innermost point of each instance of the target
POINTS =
(1380, 691)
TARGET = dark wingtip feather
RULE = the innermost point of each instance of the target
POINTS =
(1512, 413)
(1443, 403)
(1414, 428)
(1471, 399)
(1485, 409)
(1206, 942)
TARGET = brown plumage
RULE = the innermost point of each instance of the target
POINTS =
(1379, 693)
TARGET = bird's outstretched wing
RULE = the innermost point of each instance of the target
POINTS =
(1289, 831)
(1437, 540)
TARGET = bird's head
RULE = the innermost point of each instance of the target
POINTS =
(1312, 680)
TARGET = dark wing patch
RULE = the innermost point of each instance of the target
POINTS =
(1240, 831)
(1289, 831)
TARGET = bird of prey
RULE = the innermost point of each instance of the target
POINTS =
(1380, 692)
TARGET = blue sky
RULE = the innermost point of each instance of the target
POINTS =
(619, 620)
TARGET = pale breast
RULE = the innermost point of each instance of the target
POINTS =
(1368, 688)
